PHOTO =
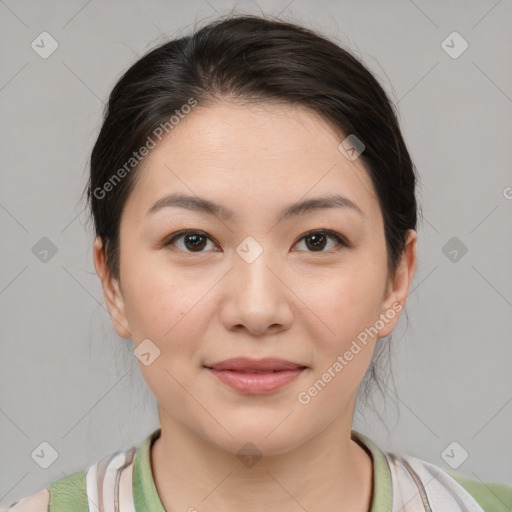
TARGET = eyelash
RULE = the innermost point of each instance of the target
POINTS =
(330, 233)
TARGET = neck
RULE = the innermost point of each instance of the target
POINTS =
(190, 472)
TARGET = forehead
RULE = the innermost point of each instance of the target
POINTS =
(252, 157)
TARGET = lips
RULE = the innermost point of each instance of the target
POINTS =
(256, 376)
(247, 365)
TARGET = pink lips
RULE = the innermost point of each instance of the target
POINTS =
(256, 376)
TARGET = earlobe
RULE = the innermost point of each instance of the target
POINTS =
(399, 285)
(113, 296)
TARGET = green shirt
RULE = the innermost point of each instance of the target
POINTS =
(69, 493)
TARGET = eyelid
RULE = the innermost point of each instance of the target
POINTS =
(169, 240)
(340, 239)
(334, 234)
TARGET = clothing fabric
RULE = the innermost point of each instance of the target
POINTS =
(123, 482)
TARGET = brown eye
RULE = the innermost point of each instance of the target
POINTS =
(191, 241)
(317, 241)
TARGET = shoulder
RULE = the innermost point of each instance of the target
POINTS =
(446, 489)
(37, 502)
(491, 496)
(474, 494)
(101, 485)
(67, 493)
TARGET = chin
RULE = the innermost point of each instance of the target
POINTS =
(258, 440)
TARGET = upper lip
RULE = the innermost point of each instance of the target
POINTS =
(246, 364)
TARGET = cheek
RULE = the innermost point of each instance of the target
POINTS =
(172, 310)
(157, 301)
(172, 317)
(350, 308)
(352, 298)
(350, 305)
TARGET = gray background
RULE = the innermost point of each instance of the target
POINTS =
(66, 378)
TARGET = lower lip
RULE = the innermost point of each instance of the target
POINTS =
(256, 383)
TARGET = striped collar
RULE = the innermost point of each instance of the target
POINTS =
(146, 498)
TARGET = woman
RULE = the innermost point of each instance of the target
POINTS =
(255, 212)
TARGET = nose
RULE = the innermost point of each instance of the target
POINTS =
(257, 297)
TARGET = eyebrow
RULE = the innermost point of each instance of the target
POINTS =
(202, 205)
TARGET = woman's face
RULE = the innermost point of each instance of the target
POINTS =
(254, 281)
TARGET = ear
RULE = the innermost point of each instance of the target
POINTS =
(113, 295)
(398, 286)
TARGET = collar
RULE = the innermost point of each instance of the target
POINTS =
(146, 498)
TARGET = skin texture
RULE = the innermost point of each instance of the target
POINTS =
(292, 302)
